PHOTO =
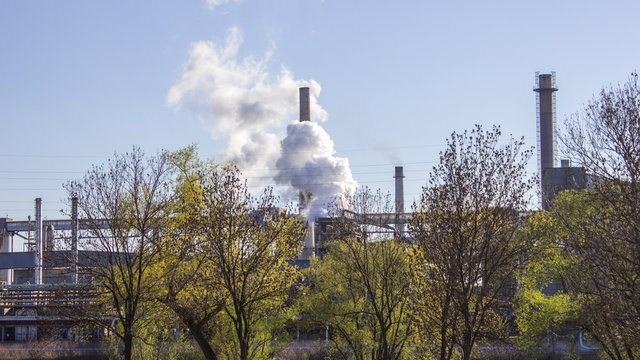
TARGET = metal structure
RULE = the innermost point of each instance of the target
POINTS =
(391, 225)
(39, 285)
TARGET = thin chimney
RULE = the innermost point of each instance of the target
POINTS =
(399, 190)
(305, 107)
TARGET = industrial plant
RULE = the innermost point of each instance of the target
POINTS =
(39, 278)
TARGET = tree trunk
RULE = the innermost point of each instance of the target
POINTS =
(202, 341)
(467, 346)
(242, 340)
(444, 353)
(128, 344)
(244, 351)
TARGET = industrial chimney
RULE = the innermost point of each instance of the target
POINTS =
(400, 226)
(546, 88)
(305, 107)
(309, 249)
(399, 190)
(546, 101)
(39, 248)
(305, 196)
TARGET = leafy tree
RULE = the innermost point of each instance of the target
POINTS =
(543, 305)
(361, 287)
(185, 279)
(603, 224)
(247, 244)
(123, 204)
(224, 269)
(593, 250)
(576, 249)
(465, 227)
(435, 320)
(604, 277)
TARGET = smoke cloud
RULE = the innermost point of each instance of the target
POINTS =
(308, 164)
(250, 108)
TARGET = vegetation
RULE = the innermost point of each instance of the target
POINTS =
(465, 229)
(187, 255)
(124, 204)
(361, 287)
(592, 238)
(225, 268)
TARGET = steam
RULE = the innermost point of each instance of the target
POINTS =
(250, 108)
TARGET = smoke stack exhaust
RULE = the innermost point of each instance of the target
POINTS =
(305, 107)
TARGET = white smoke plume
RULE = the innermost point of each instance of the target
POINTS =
(249, 108)
(309, 165)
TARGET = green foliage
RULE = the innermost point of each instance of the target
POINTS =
(602, 225)
(361, 291)
(543, 307)
(579, 276)
(225, 268)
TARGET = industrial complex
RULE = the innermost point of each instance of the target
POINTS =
(40, 278)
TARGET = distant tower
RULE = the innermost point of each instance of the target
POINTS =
(552, 179)
(546, 113)
(400, 226)
(546, 101)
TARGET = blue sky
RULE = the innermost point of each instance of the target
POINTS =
(80, 80)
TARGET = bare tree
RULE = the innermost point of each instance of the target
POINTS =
(603, 224)
(465, 230)
(123, 204)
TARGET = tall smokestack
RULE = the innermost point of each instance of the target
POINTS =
(399, 190)
(74, 238)
(305, 107)
(305, 115)
(546, 88)
(39, 250)
(399, 176)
